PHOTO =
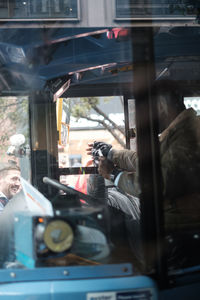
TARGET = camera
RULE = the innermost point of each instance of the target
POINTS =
(96, 153)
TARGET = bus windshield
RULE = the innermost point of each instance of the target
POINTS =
(99, 152)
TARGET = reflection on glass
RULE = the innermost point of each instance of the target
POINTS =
(14, 133)
(101, 119)
(132, 124)
(29, 9)
(85, 120)
(155, 8)
(180, 163)
(193, 102)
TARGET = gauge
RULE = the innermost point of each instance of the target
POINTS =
(58, 236)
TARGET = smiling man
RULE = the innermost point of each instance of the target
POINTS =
(9, 183)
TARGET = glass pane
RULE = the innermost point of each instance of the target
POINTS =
(98, 216)
(64, 85)
(132, 124)
(193, 102)
(14, 165)
(155, 8)
(14, 137)
(37, 9)
(94, 118)
(100, 119)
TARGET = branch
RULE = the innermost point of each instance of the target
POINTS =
(100, 112)
(109, 128)
(12, 104)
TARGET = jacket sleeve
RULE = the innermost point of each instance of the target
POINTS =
(128, 183)
(124, 159)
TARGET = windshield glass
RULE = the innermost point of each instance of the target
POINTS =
(71, 214)
(99, 139)
(15, 137)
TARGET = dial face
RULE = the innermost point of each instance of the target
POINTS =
(58, 236)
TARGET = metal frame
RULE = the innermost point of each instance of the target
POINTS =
(60, 273)
(148, 155)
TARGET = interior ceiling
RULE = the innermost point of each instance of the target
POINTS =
(35, 58)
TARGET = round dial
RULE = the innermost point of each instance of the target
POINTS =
(58, 236)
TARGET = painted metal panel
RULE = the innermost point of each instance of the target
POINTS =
(128, 287)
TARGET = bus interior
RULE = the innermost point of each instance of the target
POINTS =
(64, 86)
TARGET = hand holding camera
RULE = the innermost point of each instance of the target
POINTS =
(97, 150)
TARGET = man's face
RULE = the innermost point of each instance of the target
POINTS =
(10, 183)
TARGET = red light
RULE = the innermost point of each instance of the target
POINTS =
(117, 33)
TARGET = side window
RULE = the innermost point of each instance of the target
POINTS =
(193, 102)
(86, 120)
(132, 124)
(14, 133)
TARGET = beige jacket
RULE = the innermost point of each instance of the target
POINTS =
(180, 163)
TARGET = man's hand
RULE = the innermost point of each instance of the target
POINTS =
(89, 149)
(94, 153)
(105, 167)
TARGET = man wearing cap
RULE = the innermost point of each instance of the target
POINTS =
(9, 183)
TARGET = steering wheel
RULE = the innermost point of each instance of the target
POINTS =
(69, 190)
